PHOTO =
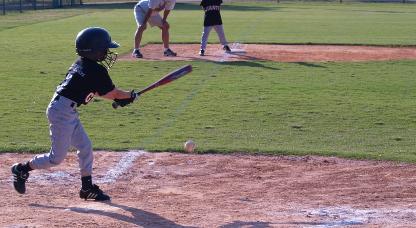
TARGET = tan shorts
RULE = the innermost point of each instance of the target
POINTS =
(154, 20)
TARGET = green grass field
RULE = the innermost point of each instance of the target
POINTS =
(358, 110)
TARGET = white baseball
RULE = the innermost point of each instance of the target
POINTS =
(189, 146)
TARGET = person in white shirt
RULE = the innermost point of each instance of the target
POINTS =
(147, 11)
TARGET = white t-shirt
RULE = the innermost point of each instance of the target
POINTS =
(157, 5)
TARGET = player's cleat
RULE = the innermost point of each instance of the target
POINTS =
(94, 193)
(136, 54)
(226, 48)
(169, 52)
(19, 178)
(202, 52)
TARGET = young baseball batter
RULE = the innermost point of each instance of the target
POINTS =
(147, 11)
(87, 77)
(212, 19)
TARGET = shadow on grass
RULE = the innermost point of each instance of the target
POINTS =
(310, 64)
(246, 64)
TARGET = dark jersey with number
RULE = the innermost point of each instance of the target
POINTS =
(212, 12)
(84, 79)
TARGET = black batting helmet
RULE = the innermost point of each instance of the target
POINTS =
(94, 43)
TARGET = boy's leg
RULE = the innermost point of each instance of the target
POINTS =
(220, 31)
(60, 130)
(205, 35)
(61, 127)
(82, 142)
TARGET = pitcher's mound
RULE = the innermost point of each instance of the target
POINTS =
(278, 53)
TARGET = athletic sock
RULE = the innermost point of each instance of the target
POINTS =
(86, 182)
(25, 167)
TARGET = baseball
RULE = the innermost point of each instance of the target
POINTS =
(189, 146)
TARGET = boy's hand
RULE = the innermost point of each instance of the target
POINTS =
(127, 101)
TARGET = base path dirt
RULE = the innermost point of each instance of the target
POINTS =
(191, 190)
(278, 53)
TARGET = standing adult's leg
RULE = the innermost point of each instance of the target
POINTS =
(165, 34)
(139, 17)
(138, 37)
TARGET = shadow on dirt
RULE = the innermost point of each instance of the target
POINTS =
(144, 218)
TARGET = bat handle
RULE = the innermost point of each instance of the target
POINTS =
(116, 105)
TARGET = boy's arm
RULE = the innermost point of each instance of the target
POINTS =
(117, 94)
(122, 97)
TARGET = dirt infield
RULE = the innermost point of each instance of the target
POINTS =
(229, 191)
(278, 53)
(190, 190)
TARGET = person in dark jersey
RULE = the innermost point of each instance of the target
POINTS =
(86, 78)
(212, 19)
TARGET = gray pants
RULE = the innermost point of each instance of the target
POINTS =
(65, 130)
(205, 34)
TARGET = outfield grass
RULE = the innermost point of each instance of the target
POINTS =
(360, 110)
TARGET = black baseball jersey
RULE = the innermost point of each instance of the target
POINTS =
(212, 12)
(84, 79)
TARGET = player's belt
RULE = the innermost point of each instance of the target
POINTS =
(65, 100)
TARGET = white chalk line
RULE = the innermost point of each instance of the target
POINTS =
(123, 165)
(345, 215)
(126, 162)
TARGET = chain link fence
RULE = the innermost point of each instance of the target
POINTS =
(21, 5)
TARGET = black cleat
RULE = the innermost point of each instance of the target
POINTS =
(19, 178)
(202, 52)
(226, 48)
(136, 54)
(169, 52)
(94, 193)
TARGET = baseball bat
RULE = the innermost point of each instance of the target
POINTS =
(172, 76)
